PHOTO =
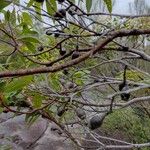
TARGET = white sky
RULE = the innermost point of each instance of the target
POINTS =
(121, 6)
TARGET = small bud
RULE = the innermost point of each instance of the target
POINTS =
(61, 110)
(70, 85)
(60, 1)
(49, 32)
(81, 113)
(57, 33)
(125, 96)
(75, 54)
(62, 52)
(60, 14)
(96, 80)
(65, 72)
(125, 48)
(39, 1)
(40, 48)
(72, 10)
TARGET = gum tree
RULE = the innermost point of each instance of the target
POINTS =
(73, 65)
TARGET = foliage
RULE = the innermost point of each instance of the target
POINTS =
(132, 126)
(57, 57)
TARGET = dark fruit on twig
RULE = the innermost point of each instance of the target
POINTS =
(60, 14)
(96, 121)
(57, 33)
(81, 113)
(96, 80)
(39, 1)
(123, 87)
(60, 1)
(56, 129)
(61, 111)
(124, 96)
(48, 32)
(40, 48)
(5, 110)
(23, 104)
(75, 54)
(62, 52)
(70, 85)
(72, 11)
(65, 72)
(125, 48)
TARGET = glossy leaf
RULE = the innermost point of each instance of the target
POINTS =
(13, 17)
(30, 46)
(54, 82)
(30, 3)
(88, 5)
(73, 1)
(1, 110)
(31, 118)
(7, 15)
(38, 10)
(26, 18)
(109, 5)
(51, 6)
(29, 38)
(4, 3)
(18, 84)
(2, 85)
(37, 100)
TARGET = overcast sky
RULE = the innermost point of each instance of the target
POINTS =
(121, 6)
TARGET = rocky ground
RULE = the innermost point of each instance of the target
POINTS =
(15, 134)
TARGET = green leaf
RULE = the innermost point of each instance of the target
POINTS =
(73, 1)
(37, 100)
(2, 85)
(1, 110)
(79, 74)
(30, 3)
(10, 16)
(109, 5)
(54, 82)
(4, 3)
(29, 39)
(51, 6)
(26, 18)
(7, 15)
(79, 82)
(30, 47)
(13, 17)
(18, 84)
(38, 7)
(31, 118)
(88, 5)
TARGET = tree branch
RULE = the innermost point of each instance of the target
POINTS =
(113, 35)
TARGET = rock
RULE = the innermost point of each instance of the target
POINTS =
(16, 134)
(5, 116)
(20, 135)
(52, 140)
